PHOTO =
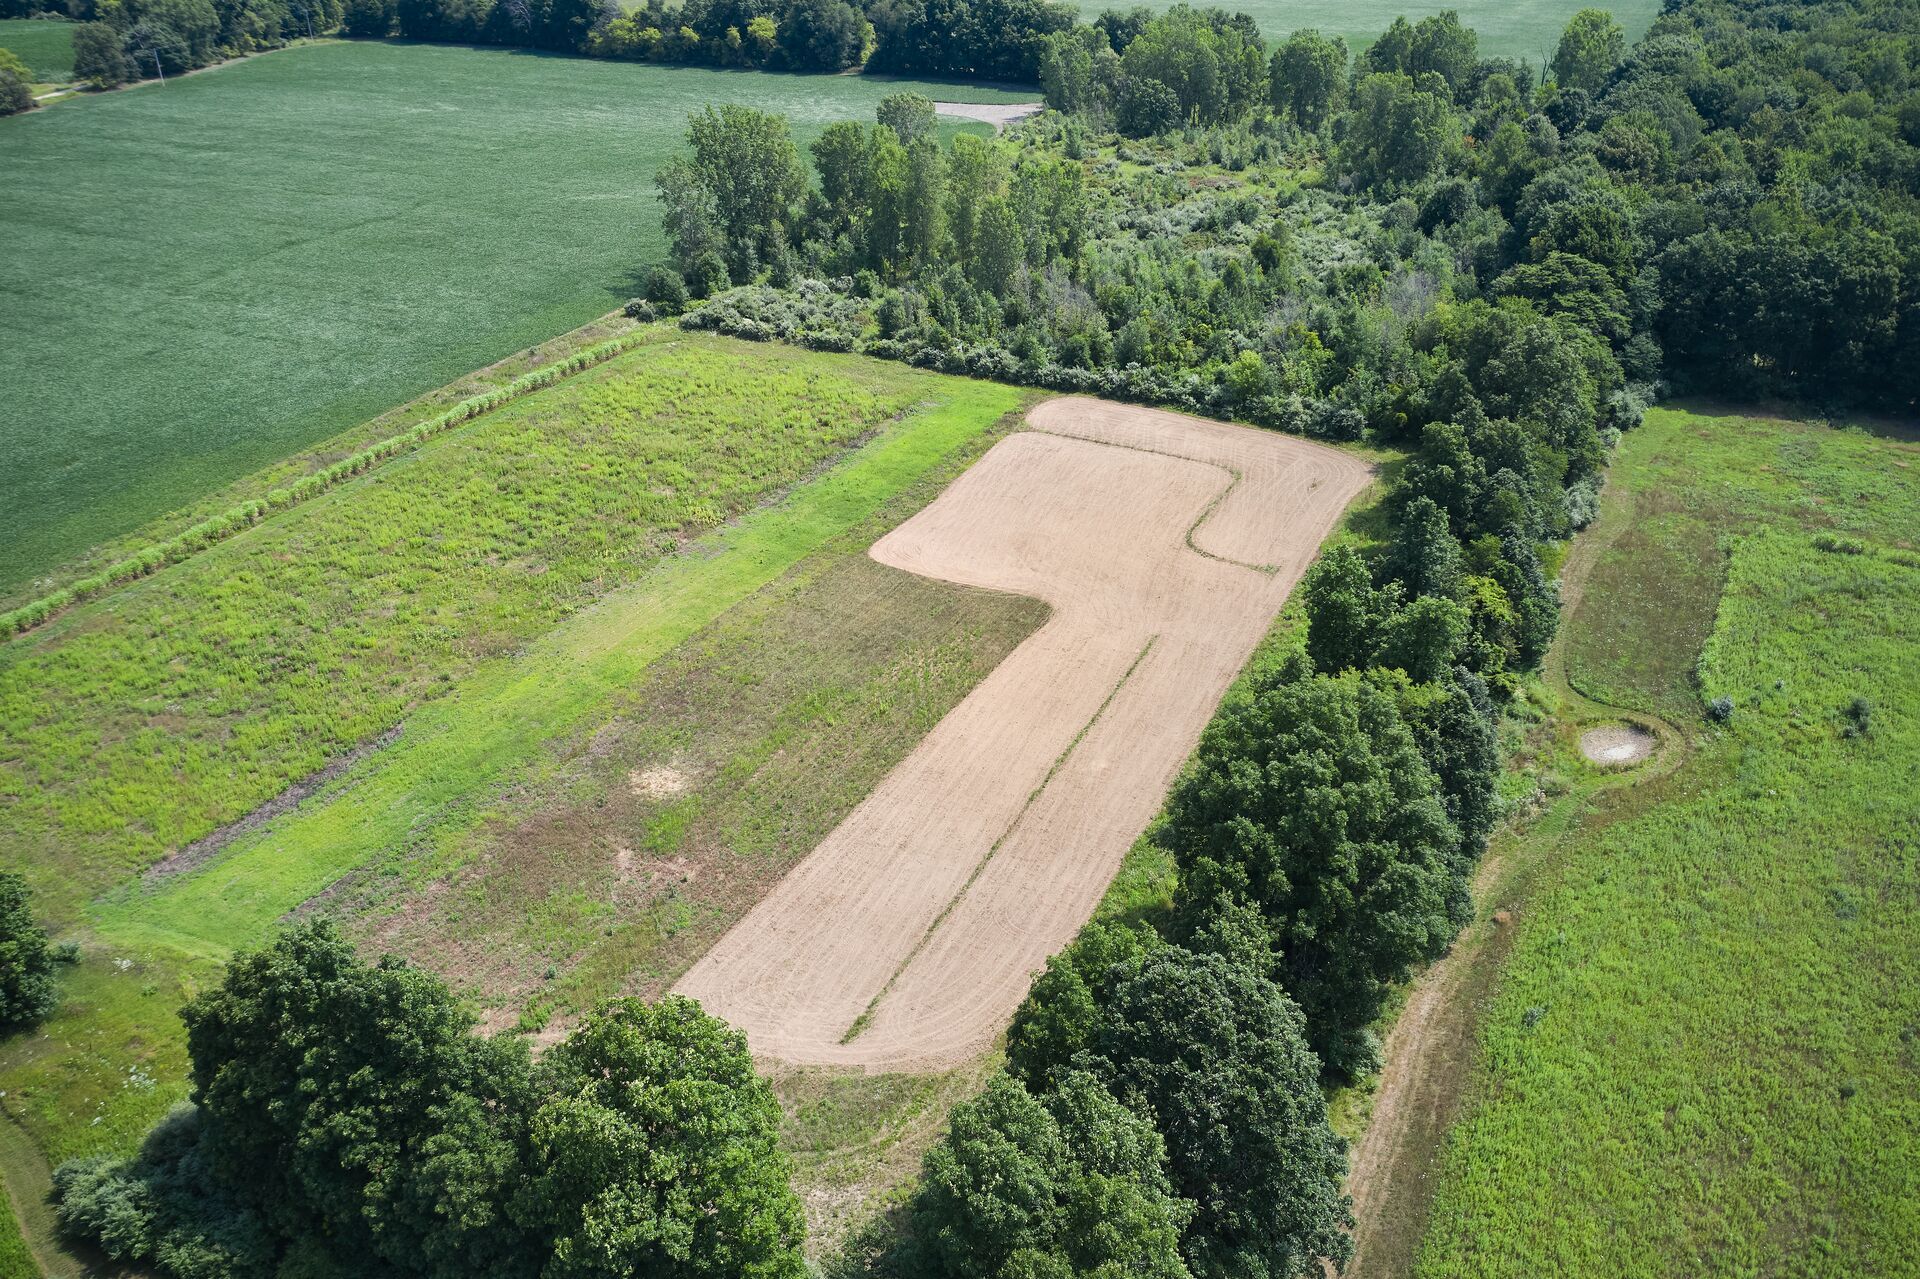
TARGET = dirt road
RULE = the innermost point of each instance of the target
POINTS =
(1165, 546)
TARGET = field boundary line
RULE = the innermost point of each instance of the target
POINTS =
(1206, 512)
(861, 1022)
(215, 529)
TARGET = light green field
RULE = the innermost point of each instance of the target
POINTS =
(46, 47)
(205, 276)
(1525, 29)
(541, 596)
(1702, 1055)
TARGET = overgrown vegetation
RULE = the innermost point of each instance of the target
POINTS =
(248, 667)
(109, 1066)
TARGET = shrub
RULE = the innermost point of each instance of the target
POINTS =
(666, 289)
(707, 275)
(26, 963)
(1720, 709)
(1857, 716)
(15, 96)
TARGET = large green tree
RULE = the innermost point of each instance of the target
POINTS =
(1311, 800)
(1307, 76)
(328, 1088)
(1066, 1183)
(26, 962)
(1592, 45)
(655, 1152)
(744, 161)
(1213, 1051)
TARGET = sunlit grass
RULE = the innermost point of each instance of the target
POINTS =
(1703, 1055)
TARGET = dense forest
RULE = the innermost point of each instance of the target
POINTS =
(1447, 254)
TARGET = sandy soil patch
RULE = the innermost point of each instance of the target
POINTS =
(999, 115)
(1616, 744)
(657, 781)
(1165, 546)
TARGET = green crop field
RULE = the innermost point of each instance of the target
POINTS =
(46, 47)
(1524, 29)
(547, 600)
(1703, 1053)
(204, 276)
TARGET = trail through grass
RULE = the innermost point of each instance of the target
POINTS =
(1704, 1054)
(204, 276)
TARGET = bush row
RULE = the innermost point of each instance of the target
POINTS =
(759, 313)
(218, 528)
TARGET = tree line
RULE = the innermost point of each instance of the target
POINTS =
(346, 1122)
(973, 39)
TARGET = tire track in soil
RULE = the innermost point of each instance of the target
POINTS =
(907, 938)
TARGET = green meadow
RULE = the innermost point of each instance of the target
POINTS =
(1526, 30)
(46, 47)
(204, 276)
(660, 560)
(1703, 1054)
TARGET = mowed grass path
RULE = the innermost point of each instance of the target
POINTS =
(1704, 1055)
(1525, 29)
(201, 277)
(501, 591)
(46, 47)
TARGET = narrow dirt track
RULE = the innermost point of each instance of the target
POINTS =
(1165, 545)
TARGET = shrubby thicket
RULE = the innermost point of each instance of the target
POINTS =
(27, 959)
(347, 1121)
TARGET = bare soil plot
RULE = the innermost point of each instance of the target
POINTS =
(997, 114)
(1165, 546)
(1616, 744)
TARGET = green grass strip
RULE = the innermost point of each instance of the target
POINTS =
(219, 528)
(454, 752)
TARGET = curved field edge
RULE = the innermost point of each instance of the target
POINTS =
(858, 1138)
(1698, 1055)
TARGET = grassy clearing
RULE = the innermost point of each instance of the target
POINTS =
(1507, 28)
(139, 724)
(1701, 1058)
(46, 48)
(576, 490)
(205, 276)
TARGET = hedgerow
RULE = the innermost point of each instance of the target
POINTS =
(238, 518)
